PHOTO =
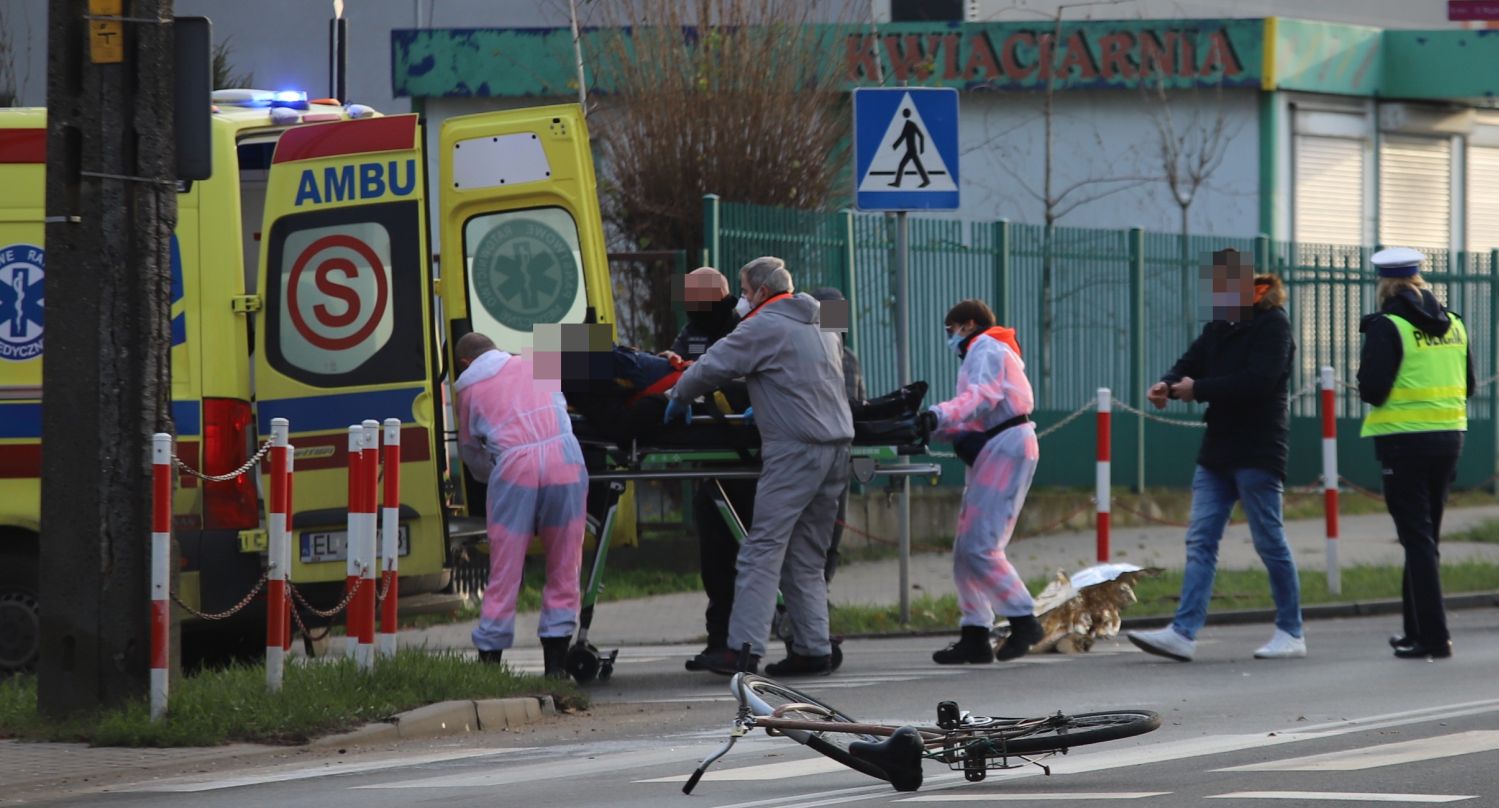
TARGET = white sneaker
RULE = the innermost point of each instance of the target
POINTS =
(1164, 642)
(1282, 646)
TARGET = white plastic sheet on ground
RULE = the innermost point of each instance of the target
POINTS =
(1078, 609)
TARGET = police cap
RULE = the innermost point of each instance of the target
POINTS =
(1397, 262)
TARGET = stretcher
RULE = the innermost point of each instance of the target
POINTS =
(707, 449)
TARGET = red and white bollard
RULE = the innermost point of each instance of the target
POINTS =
(1330, 479)
(368, 546)
(161, 553)
(354, 529)
(278, 554)
(1101, 482)
(390, 536)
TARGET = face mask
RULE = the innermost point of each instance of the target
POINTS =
(955, 342)
(744, 307)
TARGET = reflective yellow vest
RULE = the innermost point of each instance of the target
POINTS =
(1431, 386)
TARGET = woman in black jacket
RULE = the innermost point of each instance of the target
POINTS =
(1240, 366)
(1416, 371)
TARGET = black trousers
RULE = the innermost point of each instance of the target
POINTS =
(1415, 489)
(718, 551)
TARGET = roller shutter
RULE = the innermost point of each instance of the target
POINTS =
(1415, 191)
(1329, 202)
(1483, 198)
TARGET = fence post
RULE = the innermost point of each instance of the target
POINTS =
(1137, 347)
(161, 550)
(1101, 480)
(1002, 272)
(368, 557)
(1330, 479)
(278, 560)
(850, 276)
(1494, 356)
(351, 537)
(390, 536)
(711, 223)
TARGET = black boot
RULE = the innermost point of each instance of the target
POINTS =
(490, 657)
(553, 652)
(1024, 632)
(973, 646)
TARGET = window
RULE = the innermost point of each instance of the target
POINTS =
(524, 267)
(1415, 192)
(344, 294)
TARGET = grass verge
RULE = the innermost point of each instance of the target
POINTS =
(231, 705)
(1486, 532)
(1232, 590)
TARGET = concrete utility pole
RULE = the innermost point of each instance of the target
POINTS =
(111, 208)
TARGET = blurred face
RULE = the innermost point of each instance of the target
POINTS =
(1228, 289)
(701, 290)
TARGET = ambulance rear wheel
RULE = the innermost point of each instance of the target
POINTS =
(20, 618)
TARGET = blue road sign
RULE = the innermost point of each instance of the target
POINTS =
(906, 148)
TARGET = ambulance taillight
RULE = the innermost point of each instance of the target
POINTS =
(230, 505)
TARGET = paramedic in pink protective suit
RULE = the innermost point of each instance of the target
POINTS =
(988, 422)
(514, 431)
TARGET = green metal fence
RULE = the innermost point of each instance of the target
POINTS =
(1121, 306)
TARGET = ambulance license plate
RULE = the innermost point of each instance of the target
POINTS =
(333, 545)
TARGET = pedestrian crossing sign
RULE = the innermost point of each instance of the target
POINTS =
(906, 148)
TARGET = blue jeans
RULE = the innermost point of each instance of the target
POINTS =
(1213, 497)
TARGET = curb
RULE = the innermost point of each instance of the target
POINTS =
(1325, 611)
(446, 718)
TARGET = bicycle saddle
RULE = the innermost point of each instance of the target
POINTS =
(899, 756)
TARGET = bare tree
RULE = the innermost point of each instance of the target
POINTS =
(9, 90)
(734, 97)
(1194, 137)
(1057, 199)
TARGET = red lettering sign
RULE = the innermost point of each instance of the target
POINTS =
(1472, 10)
(981, 65)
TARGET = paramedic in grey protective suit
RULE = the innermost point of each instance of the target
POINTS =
(794, 371)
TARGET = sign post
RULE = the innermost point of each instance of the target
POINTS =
(1470, 10)
(906, 158)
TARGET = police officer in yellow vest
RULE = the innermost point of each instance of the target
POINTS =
(1416, 372)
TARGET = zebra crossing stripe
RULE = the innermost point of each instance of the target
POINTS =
(1390, 754)
(1340, 796)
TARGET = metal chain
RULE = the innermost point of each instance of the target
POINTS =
(1310, 389)
(384, 587)
(297, 615)
(223, 478)
(333, 612)
(1150, 417)
(1077, 413)
(231, 610)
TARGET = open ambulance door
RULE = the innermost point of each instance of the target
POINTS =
(522, 237)
(343, 334)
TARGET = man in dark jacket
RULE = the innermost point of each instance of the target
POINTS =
(1240, 367)
(710, 317)
(1416, 346)
(834, 318)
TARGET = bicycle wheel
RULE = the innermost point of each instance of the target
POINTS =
(1062, 732)
(765, 695)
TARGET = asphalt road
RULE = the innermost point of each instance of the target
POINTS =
(1348, 725)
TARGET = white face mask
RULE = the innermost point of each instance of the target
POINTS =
(743, 307)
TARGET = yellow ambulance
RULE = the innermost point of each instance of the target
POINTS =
(304, 287)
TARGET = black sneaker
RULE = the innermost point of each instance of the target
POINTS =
(1024, 632)
(695, 663)
(723, 661)
(797, 665)
(491, 657)
(973, 647)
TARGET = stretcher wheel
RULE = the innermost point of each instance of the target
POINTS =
(582, 663)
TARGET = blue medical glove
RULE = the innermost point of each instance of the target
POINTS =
(749, 415)
(675, 409)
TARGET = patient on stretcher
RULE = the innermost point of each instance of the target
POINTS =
(619, 393)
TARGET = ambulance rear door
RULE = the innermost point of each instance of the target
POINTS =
(522, 237)
(344, 330)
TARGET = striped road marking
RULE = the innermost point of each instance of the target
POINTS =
(1340, 796)
(1035, 797)
(195, 784)
(1390, 754)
